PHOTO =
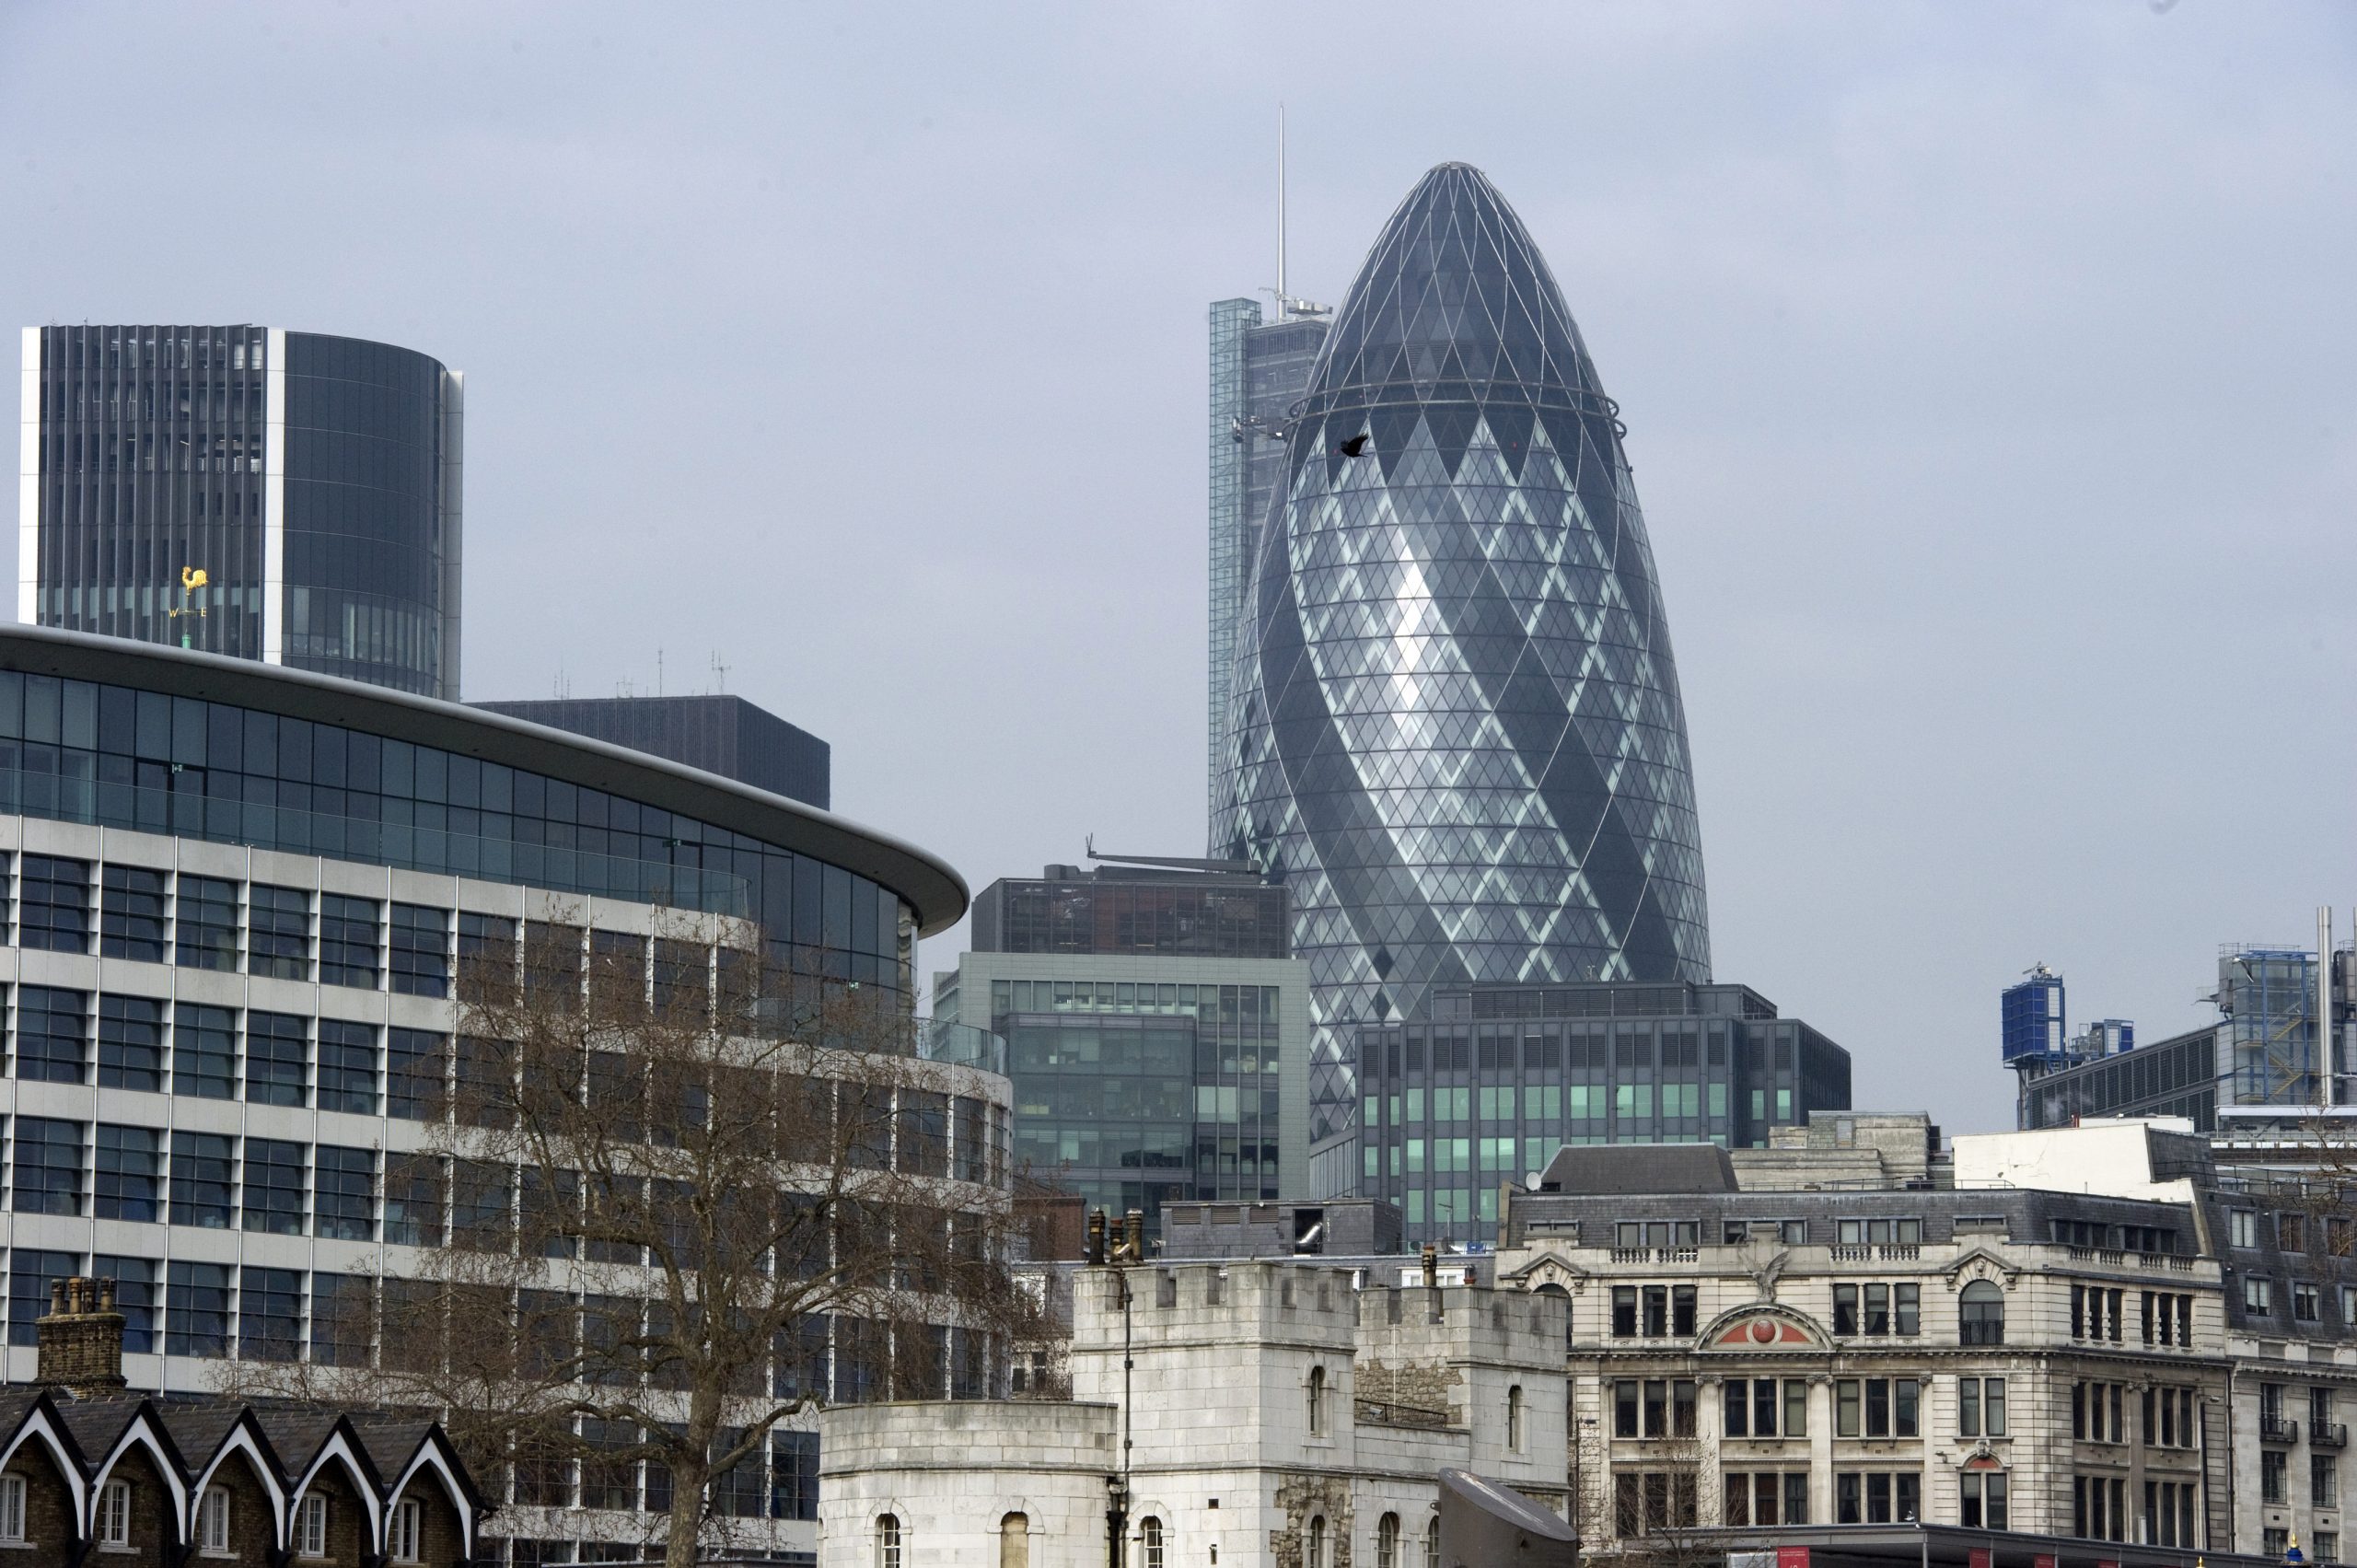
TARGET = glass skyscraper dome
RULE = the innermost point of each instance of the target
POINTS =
(1456, 727)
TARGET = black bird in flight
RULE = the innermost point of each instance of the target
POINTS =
(1354, 447)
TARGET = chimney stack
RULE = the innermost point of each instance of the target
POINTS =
(81, 1340)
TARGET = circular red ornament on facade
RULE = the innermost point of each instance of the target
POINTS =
(1762, 1330)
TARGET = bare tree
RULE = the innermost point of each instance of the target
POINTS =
(667, 1204)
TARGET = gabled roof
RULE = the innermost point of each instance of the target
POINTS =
(189, 1437)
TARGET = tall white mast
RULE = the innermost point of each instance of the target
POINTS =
(1281, 212)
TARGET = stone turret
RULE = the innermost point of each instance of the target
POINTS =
(81, 1339)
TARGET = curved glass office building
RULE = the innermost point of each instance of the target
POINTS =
(1456, 724)
(314, 481)
(233, 903)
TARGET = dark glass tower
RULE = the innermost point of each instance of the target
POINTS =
(1456, 727)
(314, 481)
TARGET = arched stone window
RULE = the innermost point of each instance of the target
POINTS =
(1514, 1419)
(1150, 1541)
(1431, 1542)
(1317, 1402)
(1387, 1541)
(1015, 1541)
(1980, 1315)
(888, 1541)
(1315, 1557)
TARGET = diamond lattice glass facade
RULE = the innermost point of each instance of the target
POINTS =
(1455, 725)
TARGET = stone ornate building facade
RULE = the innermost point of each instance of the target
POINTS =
(2060, 1339)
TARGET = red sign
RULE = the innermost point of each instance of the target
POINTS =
(1792, 1557)
(1980, 1557)
(2043, 1559)
(2107, 1562)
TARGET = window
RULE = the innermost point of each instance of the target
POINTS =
(2242, 1229)
(278, 1059)
(347, 1066)
(2168, 1418)
(1981, 1406)
(12, 1510)
(408, 1532)
(131, 913)
(49, 1166)
(1984, 1499)
(1877, 1497)
(2274, 1477)
(342, 1314)
(204, 1051)
(421, 950)
(1514, 1419)
(2292, 1232)
(2096, 1412)
(2091, 1307)
(347, 941)
(207, 934)
(1387, 1542)
(1753, 1407)
(1624, 1312)
(1879, 1232)
(1654, 1407)
(53, 904)
(2099, 1507)
(794, 1475)
(1981, 1312)
(417, 1079)
(1317, 1402)
(130, 1042)
(213, 1522)
(2308, 1303)
(2168, 1513)
(53, 1027)
(1315, 1555)
(31, 1274)
(2324, 1481)
(278, 932)
(1657, 1232)
(2258, 1296)
(346, 1202)
(204, 1179)
(888, 1541)
(1877, 1407)
(274, 1188)
(1877, 1309)
(270, 1313)
(311, 1526)
(114, 1517)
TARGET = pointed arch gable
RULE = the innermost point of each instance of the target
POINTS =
(342, 1448)
(146, 1432)
(245, 1439)
(40, 1427)
(436, 1455)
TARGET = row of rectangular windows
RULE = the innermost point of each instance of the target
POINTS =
(250, 1312)
(1648, 1503)
(116, 1171)
(155, 916)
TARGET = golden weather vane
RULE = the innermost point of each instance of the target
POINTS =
(192, 579)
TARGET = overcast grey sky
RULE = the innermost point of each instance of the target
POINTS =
(1988, 372)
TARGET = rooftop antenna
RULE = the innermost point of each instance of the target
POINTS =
(719, 673)
(1281, 212)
